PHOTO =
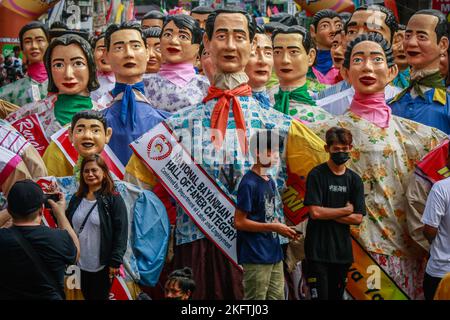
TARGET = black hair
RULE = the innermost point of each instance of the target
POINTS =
(202, 10)
(152, 32)
(401, 27)
(441, 26)
(59, 25)
(132, 25)
(390, 19)
(374, 37)
(345, 17)
(154, 14)
(66, 40)
(259, 29)
(338, 135)
(95, 39)
(184, 279)
(89, 114)
(209, 28)
(264, 140)
(322, 14)
(271, 26)
(183, 21)
(30, 26)
(284, 18)
(306, 36)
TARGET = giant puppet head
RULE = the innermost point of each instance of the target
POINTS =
(70, 66)
(372, 18)
(34, 40)
(228, 37)
(293, 54)
(324, 25)
(338, 48)
(180, 39)
(126, 52)
(399, 49)
(200, 14)
(98, 45)
(259, 66)
(426, 39)
(153, 18)
(152, 38)
(369, 64)
(89, 132)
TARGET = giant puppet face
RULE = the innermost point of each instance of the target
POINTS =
(369, 72)
(291, 59)
(70, 69)
(89, 136)
(230, 45)
(99, 52)
(422, 49)
(154, 51)
(399, 50)
(208, 67)
(338, 49)
(365, 21)
(259, 67)
(34, 44)
(326, 28)
(201, 18)
(177, 46)
(127, 56)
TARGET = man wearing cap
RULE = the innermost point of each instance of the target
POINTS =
(21, 277)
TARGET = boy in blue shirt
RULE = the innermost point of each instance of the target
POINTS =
(258, 243)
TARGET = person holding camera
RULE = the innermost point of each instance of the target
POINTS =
(33, 256)
(99, 217)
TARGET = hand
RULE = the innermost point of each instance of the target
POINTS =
(349, 208)
(113, 272)
(58, 207)
(284, 230)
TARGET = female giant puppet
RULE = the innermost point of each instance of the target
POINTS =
(227, 110)
(385, 150)
(72, 75)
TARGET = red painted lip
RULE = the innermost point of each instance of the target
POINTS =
(262, 72)
(35, 54)
(413, 53)
(129, 65)
(285, 70)
(69, 85)
(367, 80)
(173, 50)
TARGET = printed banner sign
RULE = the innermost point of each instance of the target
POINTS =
(433, 166)
(209, 207)
(293, 197)
(31, 129)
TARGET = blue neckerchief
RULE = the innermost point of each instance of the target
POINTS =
(402, 79)
(323, 62)
(263, 98)
(128, 100)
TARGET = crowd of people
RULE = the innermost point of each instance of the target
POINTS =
(326, 138)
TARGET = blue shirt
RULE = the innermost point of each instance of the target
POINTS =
(146, 118)
(256, 197)
(433, 111)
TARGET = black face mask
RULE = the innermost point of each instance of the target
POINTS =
(340, 157)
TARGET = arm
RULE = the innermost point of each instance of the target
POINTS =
(435, 209)
(353, 219)
(323, 213)
(119, 216)
(4, 217)
(62, 221)
(430, 233)
(242, 223)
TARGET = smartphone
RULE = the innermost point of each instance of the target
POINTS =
(51, 196)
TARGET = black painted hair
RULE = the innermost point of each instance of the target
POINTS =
(271, 26)
(89, 114)
(66, 40)
(322, 14)
(152, 32)
(306, 36)
(59, 25)
(209, 28)
(154, 14)
(184, 279)
(284, 18)
(373, 37)
(132, 25)
(345, 17)
(441, 27)
(95, 39)
(183, 21)
(390, 19)
(30, 26)
(202, 10)
(259, 29)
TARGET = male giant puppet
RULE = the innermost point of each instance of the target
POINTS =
(229, 116)
(33, 87)
(385, 149)
(425, 100)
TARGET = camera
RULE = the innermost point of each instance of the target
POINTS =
(50, 196)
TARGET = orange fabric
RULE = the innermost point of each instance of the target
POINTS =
(219, 116)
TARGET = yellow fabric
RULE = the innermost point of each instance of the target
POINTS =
(139, 170)
(443, 290)
(305, 149)
(440, 95)
(56, 162)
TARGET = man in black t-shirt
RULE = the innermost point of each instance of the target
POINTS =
(19, 276)
(335, 196)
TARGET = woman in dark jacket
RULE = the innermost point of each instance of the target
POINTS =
(99, 216)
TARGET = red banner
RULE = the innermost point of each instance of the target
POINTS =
(434, 165)
(119, 290)
(31, 128)
(442, 5)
